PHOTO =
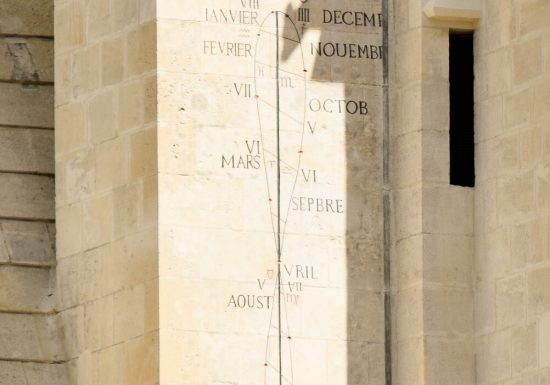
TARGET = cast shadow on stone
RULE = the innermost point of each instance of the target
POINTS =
(362, 81)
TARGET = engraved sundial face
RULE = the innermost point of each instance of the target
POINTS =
(292, 131)
(280, 93)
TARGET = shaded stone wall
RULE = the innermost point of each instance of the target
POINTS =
(106, 203)
(512, 197)
(432, 256)
(471, 266)
(30, 344)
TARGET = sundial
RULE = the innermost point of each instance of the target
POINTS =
(288, 126)
(280, 93)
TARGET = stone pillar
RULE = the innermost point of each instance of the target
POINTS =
(433, 221)
(106, 209)
(218, 198)
(184, 256)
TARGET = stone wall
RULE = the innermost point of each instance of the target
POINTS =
(432, 220)
(512, 198)
(30, 345)
(106, 201)
(168, 195)
(222, 209)
(471, 266)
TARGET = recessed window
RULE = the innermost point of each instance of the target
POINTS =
(461, 74)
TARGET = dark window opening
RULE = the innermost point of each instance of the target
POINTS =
(461, 75)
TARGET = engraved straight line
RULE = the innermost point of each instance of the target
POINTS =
(264, 157)
(283, 112)
(275, 216)
(289, 335)
(280, 374)
(285, 163)
(284, 78)
(276, 328)
(299, 161)
(279, 36)
(279, 201)
(300, 77)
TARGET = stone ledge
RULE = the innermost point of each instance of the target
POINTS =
(455, 10)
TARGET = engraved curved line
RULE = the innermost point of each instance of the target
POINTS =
(282, 161)
(280, 246)
(277, 371)
(260, 127)
(289, 342)
(285, 71)
(303, 129)
(283, 112)
(283, 37)
(275, 287)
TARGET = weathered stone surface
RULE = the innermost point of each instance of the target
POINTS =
(510, 301)
(71, 31)
(11, 373)
(493, 357)
(457, 204)
(544, 340)
(538, 289)
(101, 118)
(27, 196)
(26, 289)
(86, 71)
(27, 150)
(449, 362)
(112, 61)
(70, 128)
(26, 105)
(30, 243)
(527, 60)
(524, 348)
(448, 311)
(21, 373)
(26, 59)
(45, 374)
(33, 17)
(141, 50)
(29, 337)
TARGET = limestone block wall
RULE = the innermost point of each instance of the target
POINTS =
(222, 210)
(106, 190)
(433, 234)
(471, 266)
(512, 193)
(31, 351)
